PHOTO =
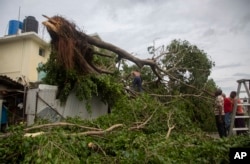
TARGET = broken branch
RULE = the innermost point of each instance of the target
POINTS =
(170, 128)
(59, 124)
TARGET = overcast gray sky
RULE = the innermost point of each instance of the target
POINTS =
(219, 27)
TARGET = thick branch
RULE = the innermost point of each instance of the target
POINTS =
(93, 132)
(99, 132)
(101, 70)
(57, 26)
(182, 95)
(101, 54)
(59, 124)
(122, 53)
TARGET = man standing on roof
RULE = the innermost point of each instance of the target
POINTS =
(137, 81)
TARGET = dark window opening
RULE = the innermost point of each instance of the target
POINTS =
(41, 52)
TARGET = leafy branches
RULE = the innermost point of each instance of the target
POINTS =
(181, 63)
(163, 124)
(84, 85)
(163, 134)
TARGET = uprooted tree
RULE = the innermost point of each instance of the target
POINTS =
(162, 126)
(179, 70)
(181, 64)
(75, 48)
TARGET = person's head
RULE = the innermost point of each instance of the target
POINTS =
(218, 92)
(233, 94)
(223, 95)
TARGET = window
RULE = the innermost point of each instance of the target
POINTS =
(41, 52)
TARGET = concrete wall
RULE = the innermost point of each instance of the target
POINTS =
(72, 108)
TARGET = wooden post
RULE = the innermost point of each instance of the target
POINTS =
(234, 110)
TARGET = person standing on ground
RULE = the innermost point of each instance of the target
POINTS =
(228, 107)
(238, 122)
(219, 113)
(137, 81)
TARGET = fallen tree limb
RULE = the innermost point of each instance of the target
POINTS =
(93, 132)
(144, 123)
(120, 52)
(59, 124)
(75, 50)
(183, 95)
(170, 128)
(33, 134)
(98, 132)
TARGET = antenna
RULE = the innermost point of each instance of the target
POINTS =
(19, 23)
(19, 13)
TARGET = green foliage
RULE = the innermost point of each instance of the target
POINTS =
(146, 119)
(186, 143)
(187, 63)
(84, 85)
(105, 61)
(190, 65)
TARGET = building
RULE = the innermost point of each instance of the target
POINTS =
(22, 51)
(20, 56)
(12, 96)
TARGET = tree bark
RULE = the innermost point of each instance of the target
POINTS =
(120, 52)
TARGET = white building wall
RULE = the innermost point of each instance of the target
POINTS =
(11, 58)
(72, 108)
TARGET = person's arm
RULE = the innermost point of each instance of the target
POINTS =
(219, 105)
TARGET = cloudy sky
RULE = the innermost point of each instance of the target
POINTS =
(219, 27)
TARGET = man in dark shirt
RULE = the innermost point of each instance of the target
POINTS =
(137, 82)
